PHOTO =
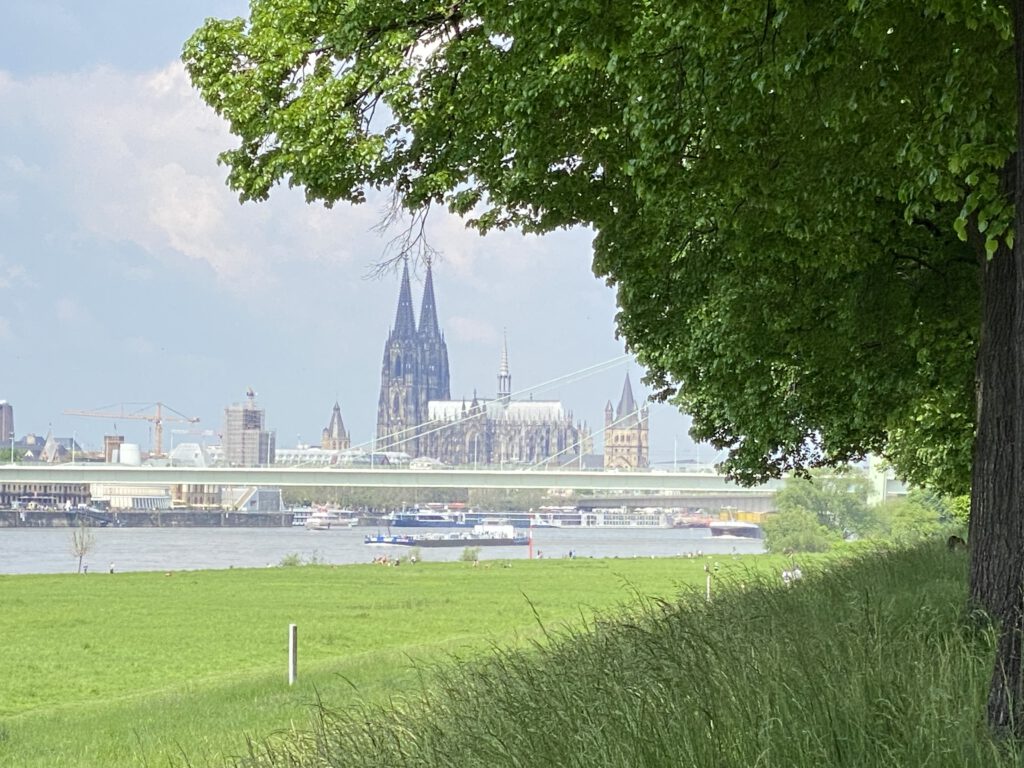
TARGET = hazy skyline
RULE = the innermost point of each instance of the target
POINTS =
(130, 273)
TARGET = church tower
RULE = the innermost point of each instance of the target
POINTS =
(433, 350)
(335, 437)
(625, 433)
(401, 407)
(504, 375)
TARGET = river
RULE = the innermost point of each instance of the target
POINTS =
(48, 550)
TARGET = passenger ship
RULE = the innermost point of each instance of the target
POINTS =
(327, 519)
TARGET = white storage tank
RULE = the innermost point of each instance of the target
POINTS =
(130, 454)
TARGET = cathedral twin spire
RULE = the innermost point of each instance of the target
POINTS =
(429, 327)
(414, 370)
(405, 320)
(405, 317)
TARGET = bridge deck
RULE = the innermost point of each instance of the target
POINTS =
(379, 478)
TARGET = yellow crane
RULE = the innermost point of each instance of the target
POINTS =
(156, 418)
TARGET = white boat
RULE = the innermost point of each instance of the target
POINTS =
(622, 517)
(300, 515)
(735, 529)
(326, 519)
(482, 535)
(428, 518)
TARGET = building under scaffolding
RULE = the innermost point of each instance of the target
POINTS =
(246, 441)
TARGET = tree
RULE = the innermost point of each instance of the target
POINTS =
(837, 499)
(806, 208)
(909, 520)
(82, 542)
(797, 530)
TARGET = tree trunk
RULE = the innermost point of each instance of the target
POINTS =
(997, 520)
(997, 525)
(994, 524)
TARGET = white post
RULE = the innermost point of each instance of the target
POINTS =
(708, 592)
(293, 653)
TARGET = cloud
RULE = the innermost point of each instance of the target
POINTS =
(10, 274)
(19, 168)
(6, 334)
(133, 157)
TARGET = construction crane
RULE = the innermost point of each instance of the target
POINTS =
(156, 418)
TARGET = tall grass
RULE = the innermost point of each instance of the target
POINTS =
(863, 663)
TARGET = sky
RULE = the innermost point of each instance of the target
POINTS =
(130, 273)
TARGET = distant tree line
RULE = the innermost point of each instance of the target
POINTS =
(820, 511)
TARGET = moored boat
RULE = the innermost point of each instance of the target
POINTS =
(327, 519)
(735, 529)
(685, 520)
(300, 515)
(483, 535)
(428, 519)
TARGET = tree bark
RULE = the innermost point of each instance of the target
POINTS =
(997, 525)
(994, 525)
(997, 520)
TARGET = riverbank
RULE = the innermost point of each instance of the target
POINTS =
(47, 550)
(142, 518)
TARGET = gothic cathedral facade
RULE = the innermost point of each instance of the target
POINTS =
(416, 415)
(414, 371)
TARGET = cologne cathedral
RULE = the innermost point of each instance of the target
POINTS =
(416, 414)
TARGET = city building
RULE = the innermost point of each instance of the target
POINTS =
(43, 495)
(192, 495)
(57, 449)
(116, 496)
(625, 433)
(885, 486)
(334, 437)
(30, 447)
(112, 448)
(246, 442)
(249, 499)
(417, 416)
(6, 423)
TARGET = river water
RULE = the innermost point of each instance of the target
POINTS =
(48, 550)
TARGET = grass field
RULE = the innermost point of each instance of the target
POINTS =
(146, 669)
(870, 662)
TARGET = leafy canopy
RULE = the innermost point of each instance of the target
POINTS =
(838, 500)
(792, 199)
(798, 530)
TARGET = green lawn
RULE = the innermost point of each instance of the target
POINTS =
(869, 661)
(143, 668)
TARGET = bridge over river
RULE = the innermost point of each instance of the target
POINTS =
(651, 483)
